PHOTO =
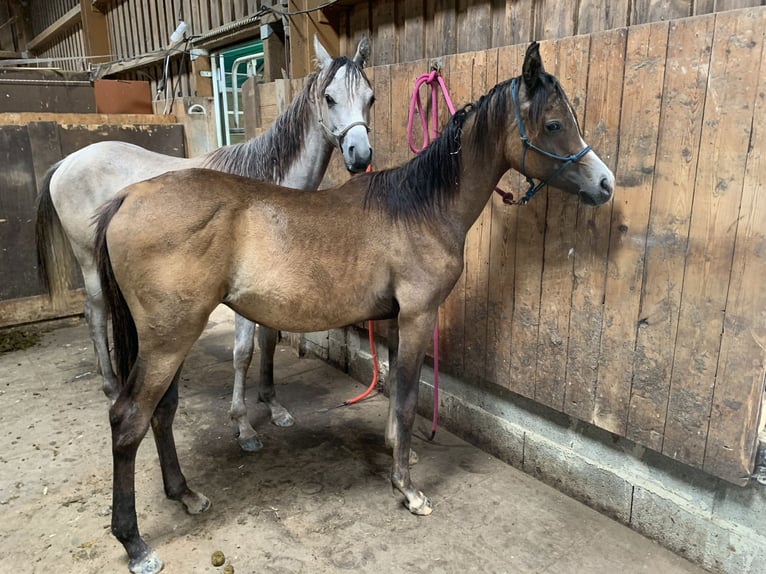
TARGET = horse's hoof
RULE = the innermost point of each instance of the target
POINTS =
(149, 564)
(195, 503)
(284, 419)
(250, 444)
(281, 417)
(421, 506)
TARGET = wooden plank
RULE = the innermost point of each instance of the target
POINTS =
(554, 19)
(644, 11)
(686, 72)
(215, 14)
(24, 118)
(518, 17)
(499, 13)
(502, 253)
(731, 92)
(413, 47)
(38, 308)
(18, 276)
(570, 66)
(601, 126)
(45, 147)
(473, 26)
(359, 21)
(381, 119)
(477, 247)
(441, 30)
(598, 15)
(732, 437)
(154, 21)
(458, 78)
(95, 34)
(530, 235)
(384, 33)
(644, 70)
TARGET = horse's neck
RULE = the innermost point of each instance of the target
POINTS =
(309, 167)
(479, 175)
(254, 158)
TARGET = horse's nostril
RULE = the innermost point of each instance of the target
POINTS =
(351, 150)
(606, 185)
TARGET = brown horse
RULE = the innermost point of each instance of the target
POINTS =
(395, 239)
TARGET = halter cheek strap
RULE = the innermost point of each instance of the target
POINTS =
(526, 144)
(336, 138)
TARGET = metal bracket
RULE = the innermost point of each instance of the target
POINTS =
(435, 64)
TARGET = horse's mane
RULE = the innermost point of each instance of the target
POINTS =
(270, 156)
(423, 187)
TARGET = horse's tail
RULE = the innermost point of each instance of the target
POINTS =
(123, 327)
(54, 259)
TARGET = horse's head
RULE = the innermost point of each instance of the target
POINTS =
(344, 99)
(552, 148)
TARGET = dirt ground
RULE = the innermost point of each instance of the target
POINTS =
(316, 499)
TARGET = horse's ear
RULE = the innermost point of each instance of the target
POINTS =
(362, 55)
(323, 58)
(533, 69)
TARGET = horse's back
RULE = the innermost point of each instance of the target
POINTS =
(89, 177)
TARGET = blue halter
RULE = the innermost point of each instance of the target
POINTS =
(566, 159)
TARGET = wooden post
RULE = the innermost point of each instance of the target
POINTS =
(274, 52)
(201, 86)
(95, 33)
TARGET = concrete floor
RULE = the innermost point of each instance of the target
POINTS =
(316, 499)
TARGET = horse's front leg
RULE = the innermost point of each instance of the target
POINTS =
(172, 477)
(267, 341)
(414, 332)
(393, 349)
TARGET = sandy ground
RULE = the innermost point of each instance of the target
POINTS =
(316, 499)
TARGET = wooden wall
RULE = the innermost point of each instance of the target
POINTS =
(29, 144)
(646, 317)
(403, 31)
(400, 30)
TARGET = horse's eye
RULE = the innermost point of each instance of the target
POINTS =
(553, 126)
(329, 100)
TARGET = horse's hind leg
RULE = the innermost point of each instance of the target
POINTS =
(172, 477)
(244, 333)
(267, 341)
(130, 417)
(96, 317)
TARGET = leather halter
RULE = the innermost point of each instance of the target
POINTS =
(526, 144)
(336, 138)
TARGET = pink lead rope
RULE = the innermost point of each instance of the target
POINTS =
(434, 80)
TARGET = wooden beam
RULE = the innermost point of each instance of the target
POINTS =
(63, 24)
(24, 118)
(38, 308)
(6, 55)
(95, 33)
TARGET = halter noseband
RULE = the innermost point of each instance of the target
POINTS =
(337, 137)
(526, 144)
